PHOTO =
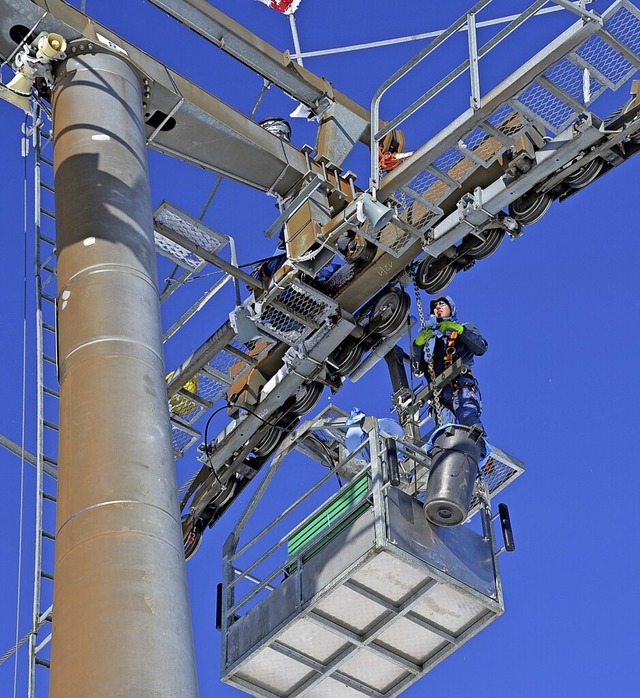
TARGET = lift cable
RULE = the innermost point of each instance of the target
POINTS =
(18, 642)
(14, 650)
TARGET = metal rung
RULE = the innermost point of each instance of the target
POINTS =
(497, 134)
(49, 497)
(48, 535)
(220, 377)
(43, 644)
(183, 426)
(50, 425)
(49, 359)
(51, 392)
(48, 240)
(48, 187)
(46, 575)
(48, 327)
(46, 160)
(43, 662)
(47, 297)
(45, 616)
(234, 351)
(48, 213)
(442, 176)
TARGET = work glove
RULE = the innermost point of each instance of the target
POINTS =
(427, 331)
(423, 337)
(448, 326)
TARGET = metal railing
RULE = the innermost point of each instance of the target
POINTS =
(469, 23)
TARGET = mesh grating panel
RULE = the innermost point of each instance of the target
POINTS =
(570, 78)
(455, 164)
(497, 475)
(483, 145)
(392, 238)
(181, 440)
(507, 120)
(430, 187)
(294, 312)
(278, 323)
(448, 160)
(210, 389)
(605, 59)
(192, 230)
(411, 211)
(625, 26)
(553, 111)
(229, 364)
(180, 255)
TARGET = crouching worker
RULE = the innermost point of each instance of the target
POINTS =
(442, 340)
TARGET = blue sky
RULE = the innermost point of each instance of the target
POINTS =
(560, 386)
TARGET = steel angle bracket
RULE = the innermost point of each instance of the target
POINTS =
(314, 182)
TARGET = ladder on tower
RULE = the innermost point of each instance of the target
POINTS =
(47, 398)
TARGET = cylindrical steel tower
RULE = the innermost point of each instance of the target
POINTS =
(121, 619)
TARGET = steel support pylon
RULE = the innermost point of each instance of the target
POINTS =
(121, 623)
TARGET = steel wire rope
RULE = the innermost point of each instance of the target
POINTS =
(23, 410)
(15, 647)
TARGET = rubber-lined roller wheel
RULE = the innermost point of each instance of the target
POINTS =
(192, 540)
(267, 443)
(307, 397)
(432, 276)
(347, 356)
(390, 312)
(483, 248)
(585, 174)
(530, 208)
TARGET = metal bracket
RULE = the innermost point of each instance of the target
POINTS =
(314, 183)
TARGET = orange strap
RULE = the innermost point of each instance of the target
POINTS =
(451, 349)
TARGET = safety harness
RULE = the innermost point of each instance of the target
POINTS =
(449, 357)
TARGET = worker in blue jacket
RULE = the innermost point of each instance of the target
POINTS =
(446, 339)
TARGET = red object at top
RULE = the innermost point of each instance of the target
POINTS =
(287, 7)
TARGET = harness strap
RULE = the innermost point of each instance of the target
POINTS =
(451, 349)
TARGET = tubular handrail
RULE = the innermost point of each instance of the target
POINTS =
(466, 22)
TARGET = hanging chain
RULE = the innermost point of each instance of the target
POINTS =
(419, 306)
(435, 399)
